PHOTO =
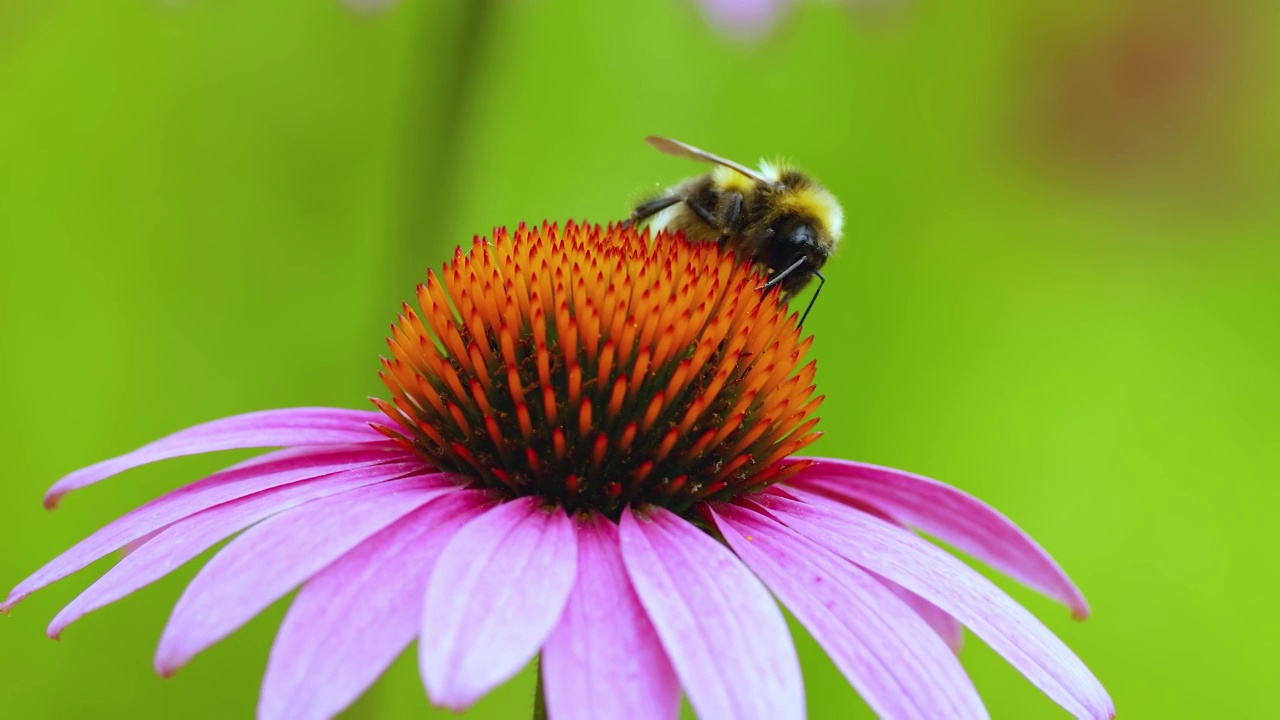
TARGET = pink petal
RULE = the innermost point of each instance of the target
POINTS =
(190, 499)
(353, 618)
(943, 580)
(947, 627)
(134, 544)
(179, 542)
(951, 631)
(268, 428)
(494, 597)
(950, 515)
(724, 634)
(604, 659)
(269, 559)
(894, 659)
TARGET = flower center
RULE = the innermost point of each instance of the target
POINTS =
(596, 369)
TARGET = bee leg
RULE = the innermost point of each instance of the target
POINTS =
(644, 211)
(733, 210)
(821, 281)
(732, 213)
(703, 214)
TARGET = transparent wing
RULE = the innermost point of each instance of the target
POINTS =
(679, 149)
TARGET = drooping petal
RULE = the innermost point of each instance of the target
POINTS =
(725, 635)
(951, 631)
(178, 543)
(495, 595)
(134, 544)
(274, 556)
(950, 515)
(947, 627)
(268, 428)
(945, 581)
(351, 620)
(604, 659)
(888, 653)
(221, 487)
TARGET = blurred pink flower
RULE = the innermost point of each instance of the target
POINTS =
(744, 18)
(588, 456)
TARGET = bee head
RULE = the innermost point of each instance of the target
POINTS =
(789, 239)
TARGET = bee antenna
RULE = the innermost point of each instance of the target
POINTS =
(780, 276)
(821, 281)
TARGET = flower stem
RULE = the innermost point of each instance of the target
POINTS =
(451, 61)
(539, 696)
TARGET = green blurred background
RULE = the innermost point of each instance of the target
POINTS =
(1058, 288)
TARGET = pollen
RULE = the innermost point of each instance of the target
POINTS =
(598, 367)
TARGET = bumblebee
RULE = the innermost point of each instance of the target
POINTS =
(777, 217)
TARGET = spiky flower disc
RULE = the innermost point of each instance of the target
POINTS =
(596, 368)
(585, 369)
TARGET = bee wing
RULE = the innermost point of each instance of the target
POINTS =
(679, 149)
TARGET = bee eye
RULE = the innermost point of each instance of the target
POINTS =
(789, 240)
(800, 237)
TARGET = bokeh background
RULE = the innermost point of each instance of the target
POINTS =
(1058, 290)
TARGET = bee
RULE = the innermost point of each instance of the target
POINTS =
(777, 217)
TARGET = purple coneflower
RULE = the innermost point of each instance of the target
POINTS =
(588, 456)
(757, 19)
(743, 18)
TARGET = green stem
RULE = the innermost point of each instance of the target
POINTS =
(452, 55)
(539, 696)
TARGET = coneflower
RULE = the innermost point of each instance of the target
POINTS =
(588, 454)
